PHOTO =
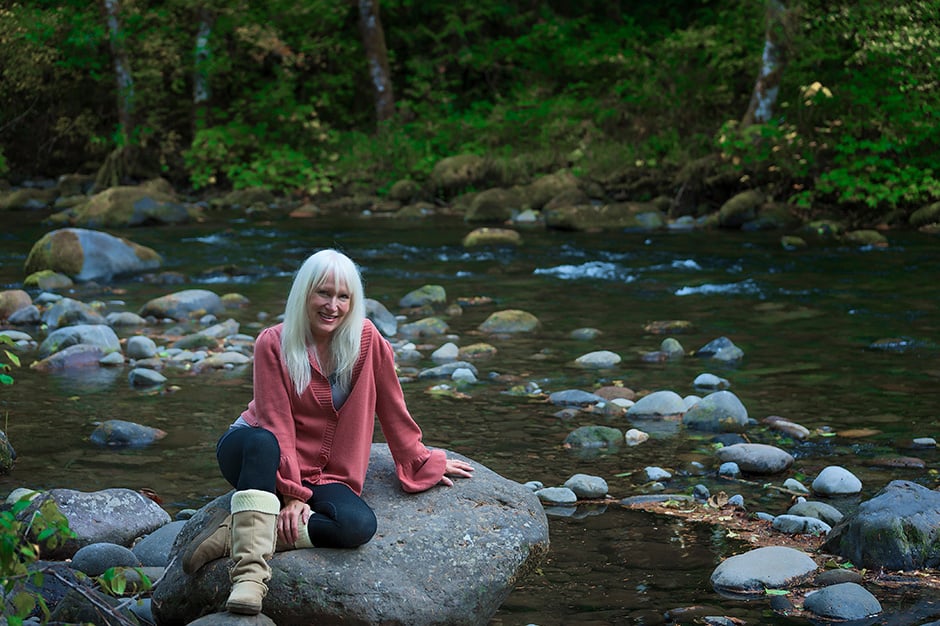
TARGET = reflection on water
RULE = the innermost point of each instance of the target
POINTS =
(805, 320)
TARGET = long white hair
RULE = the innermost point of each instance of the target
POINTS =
(297, 336)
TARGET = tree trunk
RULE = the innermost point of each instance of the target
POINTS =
(373, 39)
(122, 70)
(124, 163)
(202, 91)
(773, 60)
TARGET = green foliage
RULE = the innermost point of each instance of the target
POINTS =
(5, 378)
(20, 543)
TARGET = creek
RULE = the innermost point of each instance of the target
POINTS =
(806, 320)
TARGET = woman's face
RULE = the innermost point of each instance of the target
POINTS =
(327, 305)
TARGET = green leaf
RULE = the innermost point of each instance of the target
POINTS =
(776, 592)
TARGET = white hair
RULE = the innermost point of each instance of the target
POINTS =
(297, 336)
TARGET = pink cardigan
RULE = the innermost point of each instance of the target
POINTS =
(322, 445)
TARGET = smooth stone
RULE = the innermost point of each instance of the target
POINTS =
(835, 480)
(774, 567)
(844, 601)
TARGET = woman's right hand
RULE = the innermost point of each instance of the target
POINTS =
(292, 515)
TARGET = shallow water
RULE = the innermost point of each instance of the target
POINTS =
(805, 320)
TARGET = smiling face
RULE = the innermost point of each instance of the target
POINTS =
(327, 305)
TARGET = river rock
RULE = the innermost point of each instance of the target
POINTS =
(183, 305)
(381, 317)
(433, 296)
(587, 486)
(67, 311)
(756, 458)
(843, 602)
(600, 359)
(836, 481)
(475, 351)
(457, 173)
(799, 525)
(121, 206)
(710, 381)
(615, 216)
(820, 510)
(492, 237)
(27, 316)
(109, 516)
(423, 328)
(140, 347)
(721, 349)
(446, 353)
(720, 411)
(95, 558)
(898, 529)
(574, 397)
(494, 205)
(494, 528)
(154, 549)
(144, 377)
(12, 300)
(124, 318)
(594, 437)
(86, 255)
(657, 405)
(774, 567)
(446, 370)
(510, 321)
(99, 336)
(557, 496)
(124, 434)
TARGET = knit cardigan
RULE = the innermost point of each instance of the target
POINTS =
(322, 445)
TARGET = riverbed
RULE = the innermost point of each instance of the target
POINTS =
(812, 324)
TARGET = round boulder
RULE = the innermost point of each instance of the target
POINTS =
(86, 255)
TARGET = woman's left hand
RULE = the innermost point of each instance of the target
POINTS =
(454, 467)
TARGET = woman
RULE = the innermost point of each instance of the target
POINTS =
(297, 456)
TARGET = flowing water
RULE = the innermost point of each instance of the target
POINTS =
(805, 320)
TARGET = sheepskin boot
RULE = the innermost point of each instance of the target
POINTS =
(254, 537)
(213, 542)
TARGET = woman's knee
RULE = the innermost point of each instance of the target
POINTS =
(359, 529)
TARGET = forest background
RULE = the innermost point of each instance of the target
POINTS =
(830, 107)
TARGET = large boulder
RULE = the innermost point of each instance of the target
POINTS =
(109, 516)
(129, 206)
(898, 529)
(444, 556)
(457, 173)
(86, 255)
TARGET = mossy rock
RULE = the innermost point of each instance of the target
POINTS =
(867, 238)
(47, 280)
(740, 209)
(492, 237)
(510, 321)
(458, 173)
(494, 205)
(27, 199)
(615, 216)
(923, 216)
(129, 206)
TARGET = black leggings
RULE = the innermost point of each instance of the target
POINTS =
(249, 458)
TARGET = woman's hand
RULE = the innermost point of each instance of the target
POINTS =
(456, 468)
(294, 513)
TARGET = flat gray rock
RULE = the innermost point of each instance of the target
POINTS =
(774, 567)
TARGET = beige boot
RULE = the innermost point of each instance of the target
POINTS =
(213, 542)
(254, 536)
(303, 540)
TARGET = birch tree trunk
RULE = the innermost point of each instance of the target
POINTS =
(202, 91)
(767, 88)
(373, 39)
(122, 70)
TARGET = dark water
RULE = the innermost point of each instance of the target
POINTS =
(805, 320)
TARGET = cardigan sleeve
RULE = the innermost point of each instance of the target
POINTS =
(273, 410)
(418, 467)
